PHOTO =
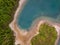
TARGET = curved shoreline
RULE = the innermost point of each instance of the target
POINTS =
(24, 37)
(12, 26)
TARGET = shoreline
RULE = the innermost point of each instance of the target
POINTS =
(11, 25)
(23, 37)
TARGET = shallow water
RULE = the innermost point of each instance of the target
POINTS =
(59, 42)
(33, 9)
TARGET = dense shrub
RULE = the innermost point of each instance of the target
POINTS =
(7, 10)
(47, 36)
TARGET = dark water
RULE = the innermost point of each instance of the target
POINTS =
(37, 8)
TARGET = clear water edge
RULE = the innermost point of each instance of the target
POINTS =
(25, 20)
(57, 20)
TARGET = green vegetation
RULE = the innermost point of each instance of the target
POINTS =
(47, 35)
(7, 10)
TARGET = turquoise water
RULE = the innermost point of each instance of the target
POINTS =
(49, 9)
(38, 8)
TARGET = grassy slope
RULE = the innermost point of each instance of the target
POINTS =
(47, 36)
(7, 9)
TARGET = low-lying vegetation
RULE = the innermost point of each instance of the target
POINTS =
(47, 35)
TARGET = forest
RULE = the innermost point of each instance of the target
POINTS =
(7, 10)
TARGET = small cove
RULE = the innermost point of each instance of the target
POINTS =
(33, 9)
(43, 9)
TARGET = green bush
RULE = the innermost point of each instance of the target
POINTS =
(47, 35)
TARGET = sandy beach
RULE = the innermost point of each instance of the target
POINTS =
(24, 37)
(21, 37)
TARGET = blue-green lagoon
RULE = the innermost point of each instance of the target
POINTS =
(38, 8)
(34, 9)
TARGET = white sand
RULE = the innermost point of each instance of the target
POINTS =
(21, 37)
(12, 24)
